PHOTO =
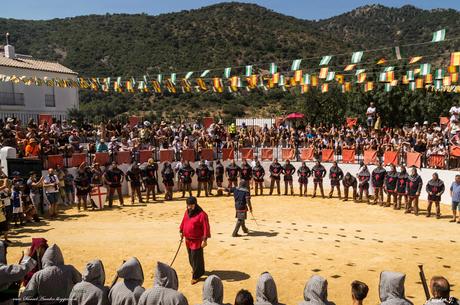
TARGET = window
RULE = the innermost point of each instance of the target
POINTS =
(8, 96)
(49, 100)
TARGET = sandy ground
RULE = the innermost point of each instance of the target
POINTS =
(295, 239)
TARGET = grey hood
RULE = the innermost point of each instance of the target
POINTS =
(2, 253)
(391, 288)
(131, 270)
(94, 273)
(213, 291)
(266, 293)
(165, 276)
(52, 257)
(315, 291)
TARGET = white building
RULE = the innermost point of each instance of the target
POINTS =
(29, 101)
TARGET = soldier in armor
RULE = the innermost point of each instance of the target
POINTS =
(401, 187)
(414, 186)
(258, 173)
(275, 172)
(288, 172)
(232, 171)
(149, 176)
(202, 173)
(378, 179)
(335, 175)
(186, 172)
(319, 172)
(435, 188)
(167, 174)
(134, 176)
(363, 178)
(303, 172)
(391, 179)
(349, 181)
(219, 177)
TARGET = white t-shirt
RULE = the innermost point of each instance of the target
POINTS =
(51, 179)
(370, 112)
(454, 112)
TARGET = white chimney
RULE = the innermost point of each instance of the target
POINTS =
(9, 49)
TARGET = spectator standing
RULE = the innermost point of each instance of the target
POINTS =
(371, 115)
(455, 194)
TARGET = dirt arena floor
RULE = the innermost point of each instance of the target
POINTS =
(295, 239)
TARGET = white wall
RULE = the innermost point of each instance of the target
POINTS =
(34, 96)
(447, 176)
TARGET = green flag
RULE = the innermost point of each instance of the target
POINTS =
(425, 69)
(273, 68)
(227, 72)
(248, 70)
(330, 76)
(325, 60)
(439, 36)
(356, 57)
(205, 72)
(188, 75)
(296, 64)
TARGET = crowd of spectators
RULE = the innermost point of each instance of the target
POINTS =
(34, 140)
(42, 276)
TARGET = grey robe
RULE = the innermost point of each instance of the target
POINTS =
(164, 290)
(12, 273)
(391, 288)
(266, 293)
(55, 280)
(130, 289)
(91, 291)
(315, 291)
(213, 291)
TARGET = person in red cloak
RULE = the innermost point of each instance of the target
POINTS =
(36, 251)
(195, 228)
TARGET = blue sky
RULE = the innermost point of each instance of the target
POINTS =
(305, 9)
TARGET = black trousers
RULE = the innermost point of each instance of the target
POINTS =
(196, 259)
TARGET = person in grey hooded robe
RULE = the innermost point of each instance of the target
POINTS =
(315, 292)
(9, 274)
(164, 290)
(128, 291)
(55, 280)
(266, 293)
(391, 288)
(213, 291)
(91, 290)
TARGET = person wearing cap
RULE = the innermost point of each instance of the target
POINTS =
(32, 148)
(102, 146)
(196, 231)
(114, 178)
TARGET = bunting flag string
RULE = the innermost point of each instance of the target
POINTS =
(370, 73)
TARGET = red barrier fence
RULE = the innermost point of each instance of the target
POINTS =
(266, 154)
(307, 154)
(348, 156)
(288, 154)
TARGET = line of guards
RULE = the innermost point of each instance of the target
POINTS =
(398, 186)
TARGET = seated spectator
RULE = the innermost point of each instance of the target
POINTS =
(315, 292)
(440, 290)
(213, 291)
(91, 289)
(359, 292)
(55, 280)
(244, 297)
(102, 146)
(164, 290)
(130, 289)
(33, 148)
(266, 293)
(391, 289)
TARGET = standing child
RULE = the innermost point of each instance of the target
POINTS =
(16, 202)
